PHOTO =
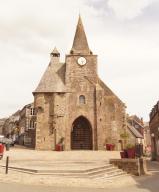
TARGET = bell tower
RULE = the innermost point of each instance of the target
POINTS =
(54, 56)
(80, 63)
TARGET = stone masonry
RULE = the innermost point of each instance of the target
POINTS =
(73, 106)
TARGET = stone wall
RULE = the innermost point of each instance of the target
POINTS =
(154, 124)
(50, 128)
(44, 141)
(132, 166)
(113, 116)
(58, 111)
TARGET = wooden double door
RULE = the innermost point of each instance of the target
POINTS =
(81, 135)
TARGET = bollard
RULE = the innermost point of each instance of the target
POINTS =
(7, 163)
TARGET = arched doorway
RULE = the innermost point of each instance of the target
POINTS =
(81, 135)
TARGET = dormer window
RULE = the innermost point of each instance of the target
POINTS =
(82, 99)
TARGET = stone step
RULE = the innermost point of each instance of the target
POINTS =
(101, 171)
(107, 166)
(100, 174)
(34, 171)
(115, 176)
(107, 171)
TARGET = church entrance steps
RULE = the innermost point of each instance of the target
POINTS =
(110, 174)
(93, 170)
(70, 164)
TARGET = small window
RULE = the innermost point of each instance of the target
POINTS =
(32, 124)
(82, 99)
(32, 111)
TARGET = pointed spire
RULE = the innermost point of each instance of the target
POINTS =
(54, 56)
(80, 44)
(55, 53)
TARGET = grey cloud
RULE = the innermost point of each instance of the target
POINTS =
(98, 4)
(151, 13)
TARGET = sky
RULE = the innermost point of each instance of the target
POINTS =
(123, 33)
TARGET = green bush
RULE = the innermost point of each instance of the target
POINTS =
(129, 146)
(124, 135)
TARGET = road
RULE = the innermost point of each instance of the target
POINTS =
(27, 188)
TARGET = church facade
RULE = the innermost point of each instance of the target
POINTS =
(73, 106)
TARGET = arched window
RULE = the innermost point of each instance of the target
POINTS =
(82, 99)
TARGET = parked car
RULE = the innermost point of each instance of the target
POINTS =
(6, 141)
(1, 150)
(1, 138)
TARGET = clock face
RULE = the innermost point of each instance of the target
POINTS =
(81, 61)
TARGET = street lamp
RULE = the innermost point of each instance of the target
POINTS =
(152, 134)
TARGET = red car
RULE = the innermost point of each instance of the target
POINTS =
(1, 150)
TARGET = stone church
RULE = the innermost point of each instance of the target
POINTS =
(73, 106)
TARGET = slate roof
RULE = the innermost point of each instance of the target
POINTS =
(55, 51)
(108, 91)
(134, 132)
(80, 44)
(136, 119)
(53, 79)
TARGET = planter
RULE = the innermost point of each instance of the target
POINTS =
(131, 153)
(123, 154)
(110, 147)
(59, 147)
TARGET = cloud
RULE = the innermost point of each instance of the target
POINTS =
(128, 9)
(29, 30)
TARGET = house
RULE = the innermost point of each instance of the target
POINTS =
(134, 132)
(154, 131)
(27, 123)
(2, 121)
(11, 126)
